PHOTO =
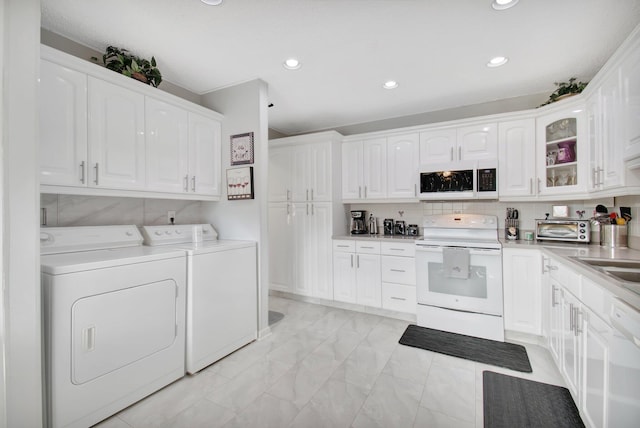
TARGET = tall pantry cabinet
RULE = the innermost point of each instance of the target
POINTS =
(305, 211)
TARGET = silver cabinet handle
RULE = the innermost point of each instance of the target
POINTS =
(307, 195)
(359, 192)
(397, 298)
(307, 209)
(313, 209)
(365, 192)
(553, 296)
(397, 270)
(396, 249)
(82, 171)
(193, 183)
(552, 267)
(451, 154)
(312, 194)
(342, 246)
(287, 209)
(459, 152)
(358, 261)
(531, 186)
(367, 248)
(415, 190)
(351, 260)
(538, 188)
(97, 173)
(594, 175)
(600, 177)
(288, 194)
(578, 319)
(186, 183)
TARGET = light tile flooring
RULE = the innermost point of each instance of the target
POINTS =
(328, 367)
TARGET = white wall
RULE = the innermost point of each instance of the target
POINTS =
(20, 245)
(244, 108)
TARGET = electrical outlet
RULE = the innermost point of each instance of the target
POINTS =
(171, 217)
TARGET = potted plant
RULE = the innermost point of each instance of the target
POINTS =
(122, 61)
(565, 90)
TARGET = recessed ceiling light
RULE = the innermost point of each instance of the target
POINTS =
(497, 61)
(503, 4)
(292, 64)
(390, 84)
(212, 2)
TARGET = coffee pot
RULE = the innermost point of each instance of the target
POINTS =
(358, 222)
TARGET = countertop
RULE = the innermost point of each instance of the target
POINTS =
(382, 238)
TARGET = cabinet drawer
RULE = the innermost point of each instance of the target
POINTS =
(401, 270)
(368, 247)
(344, 246)
(399, 297)
(398, 249)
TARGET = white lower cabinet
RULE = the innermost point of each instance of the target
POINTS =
(398, 274)
(356, 274)
(280, 247)
(522, 280)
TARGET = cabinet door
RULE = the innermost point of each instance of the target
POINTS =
(280, 247)
(594, 129)
(562, 154)
(300, 251)
(516, 159)
(402, 166)
(369, 285)
(375, 168)
(166, 147)
(522, 270)
(63, 126)
(352, 175)
(570, 343)
(612, 171)
(205, 155)
(437, 146)
(116, 136)
(318, 260)
(280, 159)
(595, 389)
(299, 173)
(630, 76)
(319, 172)
(344, 277)
(477, 142)
(555, 321)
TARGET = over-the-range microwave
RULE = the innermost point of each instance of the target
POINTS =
(462, 180)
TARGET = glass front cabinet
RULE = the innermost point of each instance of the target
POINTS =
(563, 152)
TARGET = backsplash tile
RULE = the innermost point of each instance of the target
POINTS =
(75, 210)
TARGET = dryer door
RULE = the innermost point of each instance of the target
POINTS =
(112, 330)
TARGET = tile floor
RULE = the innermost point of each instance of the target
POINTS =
(327, 367)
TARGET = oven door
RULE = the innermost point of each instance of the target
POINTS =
(480, 291)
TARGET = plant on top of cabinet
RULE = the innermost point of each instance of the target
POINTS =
(565, 90)
(122, 61)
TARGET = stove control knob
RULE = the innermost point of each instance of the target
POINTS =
(167, 232)
(178, 232)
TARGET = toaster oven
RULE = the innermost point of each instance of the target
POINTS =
(569, 230)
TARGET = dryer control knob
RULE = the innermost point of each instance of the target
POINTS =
(158, 233)
(129, 234)
(178, 232)
(168, 232)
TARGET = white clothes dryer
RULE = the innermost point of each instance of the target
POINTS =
(222, 290)
(114, 320)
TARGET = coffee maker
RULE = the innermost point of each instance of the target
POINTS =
(358, 222)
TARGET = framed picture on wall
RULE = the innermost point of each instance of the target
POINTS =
(240, 183)
(242, 149)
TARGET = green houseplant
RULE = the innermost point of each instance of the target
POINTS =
(122, 61)
(566, 89)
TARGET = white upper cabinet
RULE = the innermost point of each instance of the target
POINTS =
(116, 136)
(438, 146)
(63, 125)
(403, 153)
(374, 171)
(103, 134)
(630, 79)
(471, 142)
(516, 158)
(280, 161)
(205, 170)
(477, 142)
(319, 173)
(352, 170)
(562, 157)
(167, 147)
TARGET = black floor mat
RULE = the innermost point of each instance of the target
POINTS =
(485, 351)
(513, 402)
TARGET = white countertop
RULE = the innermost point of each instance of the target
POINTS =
(382, 238)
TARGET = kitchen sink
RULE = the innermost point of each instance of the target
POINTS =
(627, 272)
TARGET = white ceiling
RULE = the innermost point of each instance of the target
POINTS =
(435, 49)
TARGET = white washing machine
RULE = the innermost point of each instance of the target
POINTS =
(222, 291)
(114, 320)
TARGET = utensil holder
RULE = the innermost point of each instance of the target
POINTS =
(511, 229)
(613, 235)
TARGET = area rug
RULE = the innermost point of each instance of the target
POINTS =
(513, 402)
(501, 354)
